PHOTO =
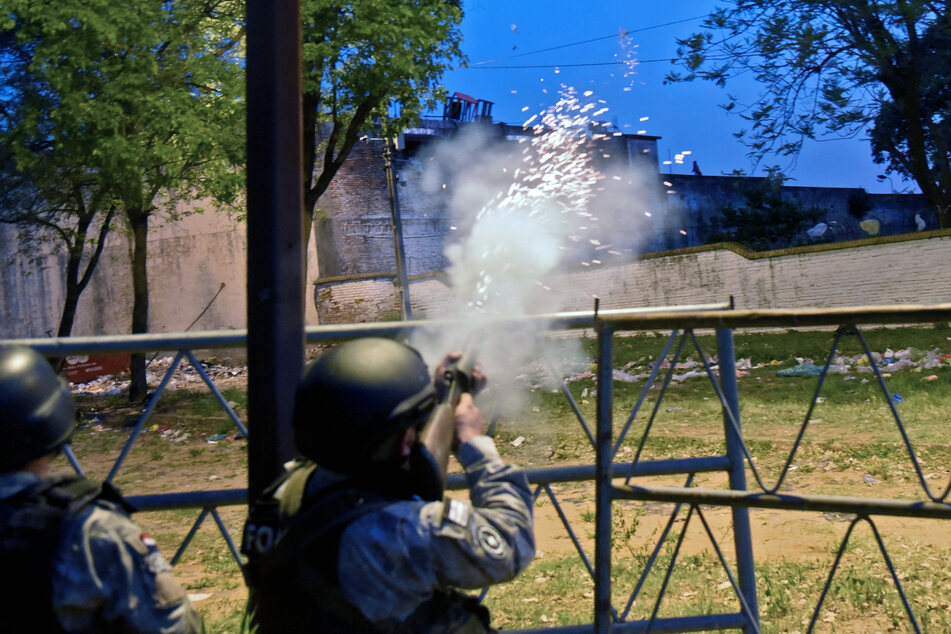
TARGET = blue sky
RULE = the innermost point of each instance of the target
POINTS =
(687, 117)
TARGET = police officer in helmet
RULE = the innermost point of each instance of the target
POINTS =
(356, 535)
(72, 559)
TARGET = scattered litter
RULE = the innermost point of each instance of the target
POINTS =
(200, 596)
(688, 375)
(518, 441)
(803, 369)
(185, 376)
(932, 377)
(869, 480)
(624, 377)
(217, 437)
(898, 365)
(579, 376)
(673, 409)
(896, 398)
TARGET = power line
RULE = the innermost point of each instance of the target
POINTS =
(618, 63)
(622, 33)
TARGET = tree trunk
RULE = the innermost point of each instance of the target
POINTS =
(68, 315)
(73, 291)
(139, 222)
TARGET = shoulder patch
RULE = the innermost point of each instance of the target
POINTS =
(148, 542)
(491, 542)
(456, 512)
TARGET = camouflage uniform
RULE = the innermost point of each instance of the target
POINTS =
(396, 563)
(106, 574)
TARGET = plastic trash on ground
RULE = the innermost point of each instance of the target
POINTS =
(803, 369)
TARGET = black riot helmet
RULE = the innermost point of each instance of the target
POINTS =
(354, 402)
(37, 414)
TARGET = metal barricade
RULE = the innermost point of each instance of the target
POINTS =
(736, 462)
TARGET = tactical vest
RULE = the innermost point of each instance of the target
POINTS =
(31, 524)
(291, 572)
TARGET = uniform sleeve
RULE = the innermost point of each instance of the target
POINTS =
(110, 576)
(392, 560)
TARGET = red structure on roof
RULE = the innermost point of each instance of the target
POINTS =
(462, 107)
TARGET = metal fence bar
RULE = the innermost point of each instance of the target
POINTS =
(224, 533)
(214, 390)
(835, 567)
(901, 428)
(748, 610)
(455, 481)
(604, 472)
(73, 462)
(654, 554)
(701, 622)
(812, 406)
(774, 318)
(214, 339)
(571, 534)
(144, 416)
(191, 533)
(742, 536)
(663, 390)
(191, 499)
(670, 570)
(648, 384)
(571, 402)
(788, 502)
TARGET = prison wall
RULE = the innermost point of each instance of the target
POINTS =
(908, 269)
(196, 273)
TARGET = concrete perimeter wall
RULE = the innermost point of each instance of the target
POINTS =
(188, 262)
(914, 269)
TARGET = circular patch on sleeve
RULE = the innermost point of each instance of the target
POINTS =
(491, 542)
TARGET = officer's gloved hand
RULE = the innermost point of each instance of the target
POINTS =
(447, 374)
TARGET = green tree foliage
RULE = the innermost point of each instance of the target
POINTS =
(120, 106)
(766, 220)
(838, 67)
(360, 57)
